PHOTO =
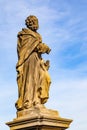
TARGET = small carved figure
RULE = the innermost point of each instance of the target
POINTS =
(32, 71)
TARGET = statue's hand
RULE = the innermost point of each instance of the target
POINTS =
(48, 50)
(43, 48)
(47, 64)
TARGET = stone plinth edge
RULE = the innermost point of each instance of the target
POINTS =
(41, 122)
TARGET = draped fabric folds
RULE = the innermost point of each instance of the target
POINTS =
(32, 76)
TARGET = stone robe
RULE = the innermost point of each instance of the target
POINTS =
(32, 77)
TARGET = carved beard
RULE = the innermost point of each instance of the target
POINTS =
(33, 27)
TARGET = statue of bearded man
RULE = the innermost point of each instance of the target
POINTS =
(32, 71)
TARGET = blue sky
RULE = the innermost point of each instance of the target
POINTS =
(63, 27)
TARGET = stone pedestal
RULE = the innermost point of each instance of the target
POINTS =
(39, 119)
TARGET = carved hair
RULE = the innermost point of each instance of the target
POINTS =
(30, 22)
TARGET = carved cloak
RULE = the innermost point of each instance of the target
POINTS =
(33, 78)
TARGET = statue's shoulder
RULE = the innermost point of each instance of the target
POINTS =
(26, 31)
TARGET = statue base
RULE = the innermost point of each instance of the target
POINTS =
(37, 111)
(39, 119)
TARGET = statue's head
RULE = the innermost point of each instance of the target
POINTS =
(32, 22)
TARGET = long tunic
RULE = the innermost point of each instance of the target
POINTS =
(32, 78)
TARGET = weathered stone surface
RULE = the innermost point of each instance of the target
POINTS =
(32, 71)
(39, 118)
(37, 111)
(41, 122)
(33, 84)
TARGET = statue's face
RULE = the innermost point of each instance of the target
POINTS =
(34, 24)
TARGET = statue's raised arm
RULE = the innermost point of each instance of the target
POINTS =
(32, 71)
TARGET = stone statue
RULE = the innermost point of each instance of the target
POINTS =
(33, 84)
(32, 71)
